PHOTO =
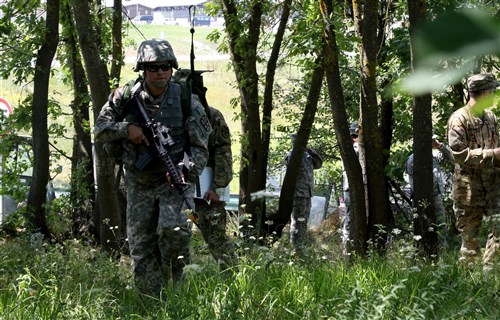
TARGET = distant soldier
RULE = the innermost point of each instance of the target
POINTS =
(212, 213)
(304, 191)
(474, 140)
(441, 154)
(346, 217)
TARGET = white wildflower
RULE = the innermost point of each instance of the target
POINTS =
(417, 237)
(396, 231)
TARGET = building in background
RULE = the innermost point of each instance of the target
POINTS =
(163, 11)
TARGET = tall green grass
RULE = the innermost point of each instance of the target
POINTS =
(73, 280)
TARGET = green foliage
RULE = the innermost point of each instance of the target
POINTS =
(59, 218)
(458, 34)
(73, 280)
(22, 25)
(16, 157)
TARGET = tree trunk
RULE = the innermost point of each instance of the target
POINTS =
(38, 190)
(370, 139)
(283, 215)
(117, 61)
(97, 73)
(245, 68)
(424, 223)
(82, 193)
(290, 180)
(358, 229)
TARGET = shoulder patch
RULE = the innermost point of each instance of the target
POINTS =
(460, 130)
(205, 123)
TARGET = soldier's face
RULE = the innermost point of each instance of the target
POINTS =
(158, 74)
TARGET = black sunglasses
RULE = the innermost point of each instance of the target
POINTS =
(156, 67)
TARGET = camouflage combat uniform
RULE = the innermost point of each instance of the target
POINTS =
(442, 155)
(158, 229)
(345, 216)
(304, 191)
(475, 192)
(212, 221)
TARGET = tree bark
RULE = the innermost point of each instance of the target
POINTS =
(38, 190)
(424, 223)
(358, 230)
(98, 76)
(283, 215)
(117, 60)
(82, 193)
(290, 180)
(370, 140)
(243, 52)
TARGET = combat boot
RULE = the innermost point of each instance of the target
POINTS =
(469, 251)
(491, 253)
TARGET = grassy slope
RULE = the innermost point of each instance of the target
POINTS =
(39, 280)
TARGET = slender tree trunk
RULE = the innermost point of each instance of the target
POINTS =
(82, 170)
(98, 76)
(290, 180)
(38, 190)
(371, 149)
(424, 223)
(359, 231)
(245, 68)
(117, 61)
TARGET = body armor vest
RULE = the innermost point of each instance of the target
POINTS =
(170, 114)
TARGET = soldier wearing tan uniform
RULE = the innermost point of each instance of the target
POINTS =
(473, 137)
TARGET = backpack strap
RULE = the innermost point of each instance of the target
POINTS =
(119, 97)
(186, 90)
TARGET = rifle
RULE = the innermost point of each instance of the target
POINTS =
(159, 136)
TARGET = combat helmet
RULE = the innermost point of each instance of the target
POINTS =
(155, 50)
(354, 129)
(482, 82)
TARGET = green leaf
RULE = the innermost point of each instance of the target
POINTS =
(466, 35)
(457, 34)
(426, 80)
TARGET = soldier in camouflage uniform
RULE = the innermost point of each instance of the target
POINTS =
(212, 222)
(474, 140)
(304, 191)
(212, 212)
(441, 154)
(346, 215)
(158, 229)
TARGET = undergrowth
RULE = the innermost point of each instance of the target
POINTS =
(73, 280)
